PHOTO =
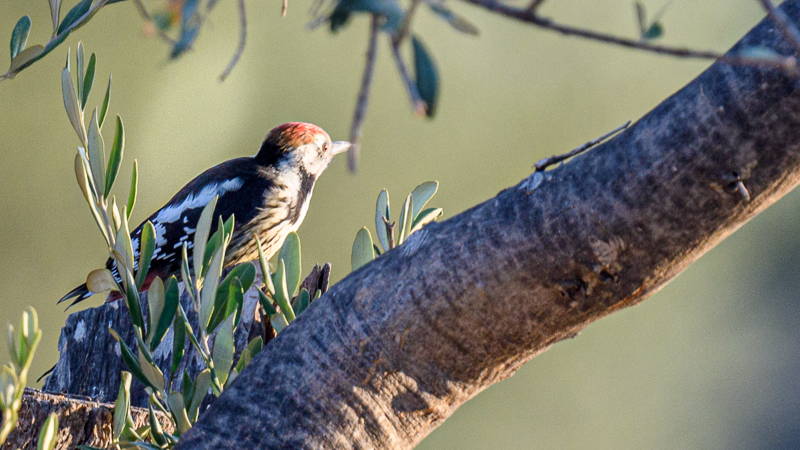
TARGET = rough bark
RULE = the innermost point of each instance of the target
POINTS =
(392, 350)
(81, 422)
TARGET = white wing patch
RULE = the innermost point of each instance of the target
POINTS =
(172, 213)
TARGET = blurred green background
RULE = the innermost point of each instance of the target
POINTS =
(709, 362)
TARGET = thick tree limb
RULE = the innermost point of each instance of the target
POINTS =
(393, 349)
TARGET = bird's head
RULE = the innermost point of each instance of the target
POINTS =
(300, 146)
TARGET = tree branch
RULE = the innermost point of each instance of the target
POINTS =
(392, 350)
(363, 95)
(528, 15)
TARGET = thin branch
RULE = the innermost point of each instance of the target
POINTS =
(555, 159)
(402, 32)
(417, 104)
(363, 95)
(148, 18)
(779, 17)
(242, 41)
(284, 7)
(535, 4)
(788, 64)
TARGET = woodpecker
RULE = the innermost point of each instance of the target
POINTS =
(268, 194)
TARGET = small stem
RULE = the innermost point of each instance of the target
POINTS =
(413, 94)
(402, 32)
(789, 31)
(284, 7)
(534, 6)
(555, 159)
(242, 41)
(390, 232)
(363, 95)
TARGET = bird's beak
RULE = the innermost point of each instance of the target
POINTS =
(340, 147)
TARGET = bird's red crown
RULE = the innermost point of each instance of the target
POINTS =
(293, 134)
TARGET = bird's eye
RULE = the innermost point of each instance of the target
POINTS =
(325, 147)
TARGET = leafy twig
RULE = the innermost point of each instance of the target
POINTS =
(363, 95)
(789, 64)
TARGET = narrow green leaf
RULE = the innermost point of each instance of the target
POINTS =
(421, 195)
(427, 77)
(381, 211)
(147, 246)
(155, 305)
(178, 338)
(187, 279)
(130, 359)
(244, 360)
(202, 383)
(131, 294)
(290, 253)
(134, 188)
(115, 215)
(55, 13)
(424, 218)
(278, 322)
(266, 276)
(125, 248)
(115, 157)
(201, 235)
(230, 294)
(71, 105)
(266, 303)
(377, 250)
(216, 239)
(362, 249)
(74, 14)
(48, 437)
(97, 155)
(155, 428)
(106, 100)
(150, 370)
(178, 410)
(405, 219)
(19, 37)
(222, 353)
(79, 58)
(255, 346)
(123, 404)
(210, 285)
(281, 291)
(88, 81)
(165, 318)
(25, 58)
(302, 301)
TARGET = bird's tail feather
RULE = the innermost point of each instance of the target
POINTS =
(80, 293)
